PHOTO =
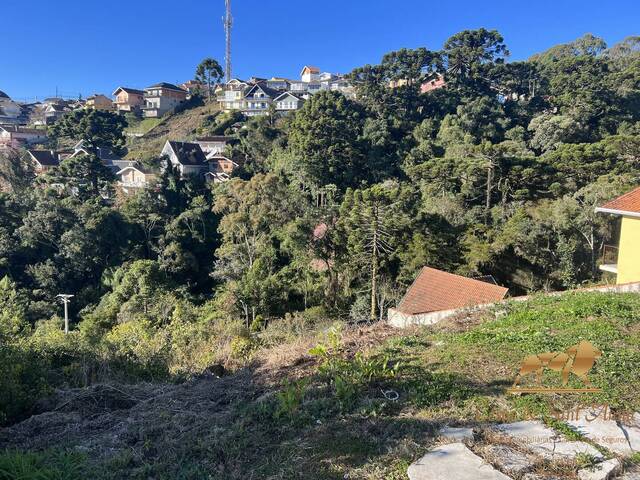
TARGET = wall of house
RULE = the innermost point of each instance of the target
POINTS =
(629, 251)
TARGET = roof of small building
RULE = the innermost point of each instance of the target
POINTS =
(271, 92)
(128, 90)
(188, 153)
(312, 69)
(168, 86)
(291, 94)
(136, 166)
(435, 290)
(628, 203)
(46, 158)
(214, 138)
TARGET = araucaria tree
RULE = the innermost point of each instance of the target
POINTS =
(209, 72)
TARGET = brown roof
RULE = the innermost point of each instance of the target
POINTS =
(629, 203)
(435, 290)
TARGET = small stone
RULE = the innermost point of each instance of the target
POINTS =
(456, 434)
(453, 461)
(600, 471)
(508, 460)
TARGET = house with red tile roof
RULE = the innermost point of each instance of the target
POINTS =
(624, 260)
(436, 294)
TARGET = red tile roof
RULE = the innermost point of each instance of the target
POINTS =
(629, 202)
(435, 290)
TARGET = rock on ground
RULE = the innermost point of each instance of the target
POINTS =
(453, 461)
(508, 460)
(600, 471)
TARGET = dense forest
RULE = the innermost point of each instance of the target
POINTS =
(334, 210)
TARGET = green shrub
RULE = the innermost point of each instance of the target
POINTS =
(290, 399)
(47, 465)
(242, 347)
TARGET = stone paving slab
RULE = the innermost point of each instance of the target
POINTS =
(453, 461)
(543, 441)
(605, 432)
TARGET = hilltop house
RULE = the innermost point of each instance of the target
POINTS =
(14, 136)
(43, 160)
(258, 99)
(288, 101)
(436, 294)
(128, 99)
(10, 111)
(310, 74)
(624, 260)
(162, 97)
(231, 96)
(187, 157)
(99, 102)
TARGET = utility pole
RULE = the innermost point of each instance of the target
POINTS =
(228, 22)
(65, 298)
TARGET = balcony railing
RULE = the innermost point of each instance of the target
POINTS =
(609, 259)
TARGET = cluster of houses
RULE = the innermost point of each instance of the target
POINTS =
(258, 96)
(204, 157)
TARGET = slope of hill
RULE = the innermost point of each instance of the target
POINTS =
(178, 126)
(358, 403)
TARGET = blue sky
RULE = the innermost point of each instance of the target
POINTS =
(94, 46)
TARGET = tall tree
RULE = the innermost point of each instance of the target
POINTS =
(209, 72)
(325, 140)
(98, 128)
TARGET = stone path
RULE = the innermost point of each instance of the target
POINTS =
(520, 446)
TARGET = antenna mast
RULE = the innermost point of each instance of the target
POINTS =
(228, 22)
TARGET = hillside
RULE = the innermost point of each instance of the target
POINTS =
(177, 126)
(359, 403)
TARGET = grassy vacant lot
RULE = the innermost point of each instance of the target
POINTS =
(353, 403)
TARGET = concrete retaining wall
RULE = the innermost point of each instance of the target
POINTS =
(395, 318)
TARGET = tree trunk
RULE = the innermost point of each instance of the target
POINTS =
(489, 188)
(374, 268)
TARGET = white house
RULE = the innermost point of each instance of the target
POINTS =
(134, 177)
(187, 157)
(288, 101)
(258, 99)
(10, 111)
(310, 74)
